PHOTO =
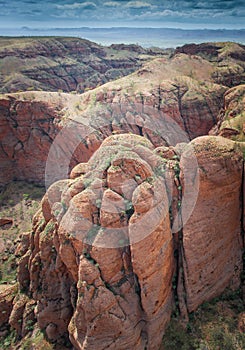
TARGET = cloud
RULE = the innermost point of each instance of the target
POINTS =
(138, 5)
(31, 13)
(123, 11)
(177, 15)
(112, 4)
(220, 4)
(77, 6)
(161, 14)
(238, 13)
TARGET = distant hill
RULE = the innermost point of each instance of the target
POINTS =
(146, 37)
(67, 64)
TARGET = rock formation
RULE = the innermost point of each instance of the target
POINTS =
(212, 240)
(231, 120)
(67, 64)
(228, 57)
(100, 261)
(141, 210)
(141, 103)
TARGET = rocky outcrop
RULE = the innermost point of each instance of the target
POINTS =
(214, 50)
(7, 295)
(6, 221)
(100, 264)
(140, 221)
(212, 241)
(146, 103)
(184, 89)
(231, 120)
(67, 64)
(101, 260)
(228, 59)
(27, 131)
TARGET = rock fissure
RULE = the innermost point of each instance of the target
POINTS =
(179, 97)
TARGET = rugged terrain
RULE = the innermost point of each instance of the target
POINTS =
(66, 64)
(150, 221)
(183, 88)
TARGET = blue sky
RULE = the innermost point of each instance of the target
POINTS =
(98, 13)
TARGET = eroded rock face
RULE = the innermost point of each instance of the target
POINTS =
(6, 304)
(231, 120)
(100, 262)
(27, 131)
(228, 58)
(68, 64)
(148, 104)
(187, 88)
(212, 243)
(29, 124)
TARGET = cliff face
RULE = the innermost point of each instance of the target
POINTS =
(229, 59)
(28, 127)
(99, 264)
(67, 64)
(142, 103)
(231, 119)
(212, 240)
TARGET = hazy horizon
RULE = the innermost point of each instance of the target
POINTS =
(146, 37)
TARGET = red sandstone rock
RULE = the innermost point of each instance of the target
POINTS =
(108, 292)
(7, 295)
(16, 317)
(6, 221)
(212, 243)
(78, 170)
(230, 120)
(101, 260)
(67, 64)
(166, 111)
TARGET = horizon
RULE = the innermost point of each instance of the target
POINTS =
(130, 27)
(146, 37)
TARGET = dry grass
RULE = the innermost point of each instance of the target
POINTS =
(212, 327)
(18, 201)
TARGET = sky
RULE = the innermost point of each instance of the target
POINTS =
(186, 14)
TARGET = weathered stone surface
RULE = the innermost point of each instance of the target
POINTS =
(27, 131)
(227, 74)
(16, 317)
(78, 170)
(148, 103)
(67, 64)
(212, 243)
(231, 117)
(93, 271)
(107, 271)
(7, 295)
(152, 257)
(100, 264)
(6, 221)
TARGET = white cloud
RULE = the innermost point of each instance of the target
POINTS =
(77, 6)
(139, 5)
(156, 15)
(112, 4)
